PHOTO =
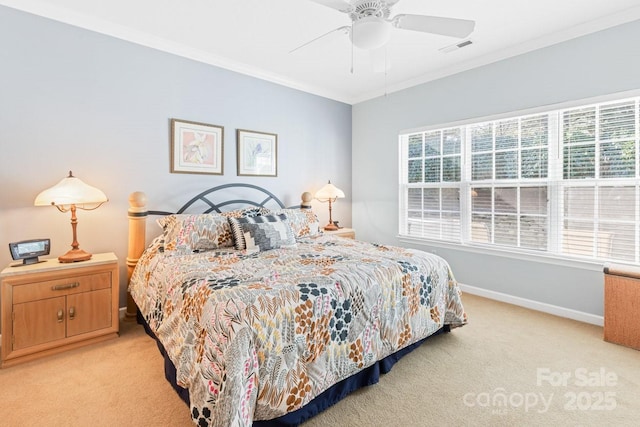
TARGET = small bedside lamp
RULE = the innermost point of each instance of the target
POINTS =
(329, 193)
(67, 195)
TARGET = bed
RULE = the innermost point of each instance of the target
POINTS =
(262, 319)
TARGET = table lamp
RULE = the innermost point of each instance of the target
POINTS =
(329, 193)
(68, 195)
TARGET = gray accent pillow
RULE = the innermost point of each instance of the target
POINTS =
(264, 232)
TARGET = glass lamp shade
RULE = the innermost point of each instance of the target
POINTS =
(68, 195)
(71, 191)
(370, 32)
(329, 192)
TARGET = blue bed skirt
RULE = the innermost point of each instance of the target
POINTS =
(331, 396)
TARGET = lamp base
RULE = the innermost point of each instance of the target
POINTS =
(75, 255)
(331, 227)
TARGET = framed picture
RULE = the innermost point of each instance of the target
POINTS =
(196, 147)
(257, 153)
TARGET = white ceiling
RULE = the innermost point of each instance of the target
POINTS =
(255, 37)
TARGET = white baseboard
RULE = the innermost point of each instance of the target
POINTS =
(535, 305)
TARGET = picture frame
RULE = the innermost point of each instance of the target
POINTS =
(257, 153)
(196, 147)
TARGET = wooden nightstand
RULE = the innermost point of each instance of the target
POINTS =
(348, 233)
(51, 307)
(621, 305)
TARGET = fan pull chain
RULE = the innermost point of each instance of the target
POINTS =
(386, 67)
(385, 84)
(351, 48)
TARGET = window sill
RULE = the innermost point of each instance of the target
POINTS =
(513, 253)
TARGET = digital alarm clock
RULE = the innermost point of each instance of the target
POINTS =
(29, 250)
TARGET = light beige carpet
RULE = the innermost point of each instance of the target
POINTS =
(508, 367)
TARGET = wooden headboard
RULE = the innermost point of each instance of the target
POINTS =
(214, 199)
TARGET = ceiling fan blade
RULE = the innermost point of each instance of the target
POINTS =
(345, 29)
(434, 24)
(341, 5)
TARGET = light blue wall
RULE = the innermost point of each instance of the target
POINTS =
(71, 99)
(598, 64)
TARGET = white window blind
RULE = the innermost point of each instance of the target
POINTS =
(564, 182)
(433, 183)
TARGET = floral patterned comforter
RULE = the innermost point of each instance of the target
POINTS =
(257, 335)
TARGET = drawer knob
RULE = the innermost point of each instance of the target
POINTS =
(65, 286)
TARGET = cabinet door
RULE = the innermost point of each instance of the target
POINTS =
(88, 311)
(38, 322)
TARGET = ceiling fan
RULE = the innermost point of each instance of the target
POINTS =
(371, 25)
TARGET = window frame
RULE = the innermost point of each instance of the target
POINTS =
(554, 183)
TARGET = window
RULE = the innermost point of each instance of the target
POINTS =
(564, 182)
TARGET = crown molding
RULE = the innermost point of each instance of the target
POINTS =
(92, 23)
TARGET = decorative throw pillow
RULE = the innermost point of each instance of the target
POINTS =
(304, 222)
(198, 232)
(265, 232)
(246, 212)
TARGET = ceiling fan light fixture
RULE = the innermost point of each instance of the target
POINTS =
(370, 32)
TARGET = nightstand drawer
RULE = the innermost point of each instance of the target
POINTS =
(59, 287)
